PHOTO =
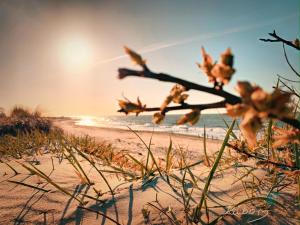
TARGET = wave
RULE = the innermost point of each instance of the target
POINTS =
(215, 126)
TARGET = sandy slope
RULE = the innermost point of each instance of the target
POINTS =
(127, 140)
(23, 205)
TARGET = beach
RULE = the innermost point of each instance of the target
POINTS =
(125, 139)
(149, 112)
(135, 201)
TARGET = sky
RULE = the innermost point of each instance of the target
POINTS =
(62, 57)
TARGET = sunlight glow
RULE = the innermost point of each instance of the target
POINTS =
(76, 54)
(86, 121)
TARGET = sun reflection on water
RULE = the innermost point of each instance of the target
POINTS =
(87, 121)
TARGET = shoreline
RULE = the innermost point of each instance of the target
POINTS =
(72, 122)
(126, 140)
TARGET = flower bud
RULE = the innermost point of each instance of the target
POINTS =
(207, 65)
(296, 42)
(227, 58)
(180, 98)
(191, 117)
(130, 107)
(167, 101)
(236, 110)
(135, 57)
(158, 118)
(250, 125)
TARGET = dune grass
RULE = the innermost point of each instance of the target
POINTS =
(21, 120)
(101, 156)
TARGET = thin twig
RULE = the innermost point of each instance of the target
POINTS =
(288, 62)
(282, 77)
(279, 39)
(253, 155)
(162, 211)
(215, 105)
(292, 90)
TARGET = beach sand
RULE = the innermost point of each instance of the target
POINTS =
(24, 205)
(124, 139)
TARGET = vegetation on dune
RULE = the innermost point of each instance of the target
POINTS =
(21, 120)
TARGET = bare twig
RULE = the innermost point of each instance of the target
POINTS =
(279, 39)
(183, 106)
(264, 160)
(292, 90)
(288, 62)
(293, 81)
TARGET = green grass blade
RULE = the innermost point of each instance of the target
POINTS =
(124, 172)
(193, 164)
(149, 146)
(163, 212)
(48, 179)
(149, 151)
(216, 163)
(100, 213)
(137, 162)
(80, 168)
(204, 147)
(28, 185)
(270, 201)
(99, 171)
(189, 198)
(227, 125)
(269, 140)
(168, 157)
(13, 169)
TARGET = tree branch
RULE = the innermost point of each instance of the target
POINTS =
(279, 39)
(264, 160)
(228, 98)
(146, 73)
(290, 121)
(183, 106)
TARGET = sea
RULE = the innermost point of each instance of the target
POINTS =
(215, 124)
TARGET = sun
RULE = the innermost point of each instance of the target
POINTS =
(76, 54)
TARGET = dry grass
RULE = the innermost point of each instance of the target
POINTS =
(21, 120)
(100, 155)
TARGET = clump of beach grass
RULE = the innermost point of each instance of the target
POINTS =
(22, 120)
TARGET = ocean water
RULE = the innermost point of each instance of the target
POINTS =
(214, 123)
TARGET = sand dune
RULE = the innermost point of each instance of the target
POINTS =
(24, 205)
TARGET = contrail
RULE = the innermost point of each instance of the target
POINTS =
(161, 45)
